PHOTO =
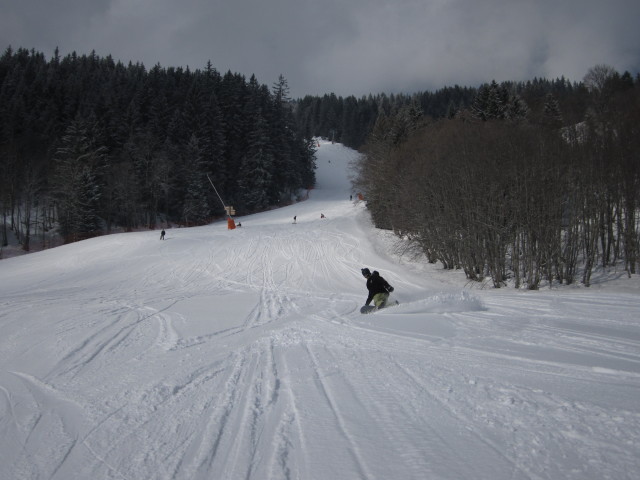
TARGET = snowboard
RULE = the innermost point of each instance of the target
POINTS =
(372, 308)
(368, 309)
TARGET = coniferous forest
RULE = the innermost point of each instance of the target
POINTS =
(522, 182)
(88, 145)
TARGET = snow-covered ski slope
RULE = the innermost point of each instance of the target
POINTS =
(242, 354)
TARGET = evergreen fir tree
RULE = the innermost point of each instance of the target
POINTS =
(481, 103)
(552, 115)
(89, 222)
(212, 145)
(516, 108)
(256, 168)
(195, 209)
(76, 189)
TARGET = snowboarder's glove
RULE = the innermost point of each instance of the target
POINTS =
(390, 289)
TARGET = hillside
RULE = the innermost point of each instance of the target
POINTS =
(242, 355)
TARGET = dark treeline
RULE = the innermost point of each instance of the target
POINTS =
(88, 144)
(350, 120)
(530, 184)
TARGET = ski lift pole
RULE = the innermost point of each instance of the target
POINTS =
(214, 189)
(230, 223)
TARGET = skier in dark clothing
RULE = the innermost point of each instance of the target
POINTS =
(378, 287)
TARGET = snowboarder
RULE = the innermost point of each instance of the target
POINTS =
(378, 287)
(322, 215)
(162, 234)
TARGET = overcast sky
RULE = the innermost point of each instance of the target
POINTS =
(348, 47)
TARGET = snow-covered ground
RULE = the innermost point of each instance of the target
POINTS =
(242, 354)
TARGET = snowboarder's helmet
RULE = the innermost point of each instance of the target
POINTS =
(365, 272)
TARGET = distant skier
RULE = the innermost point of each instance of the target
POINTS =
(378, 287)
(322, 215)
(162, 234)
(295, 219)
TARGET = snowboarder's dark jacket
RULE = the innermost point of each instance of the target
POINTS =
(376, 284)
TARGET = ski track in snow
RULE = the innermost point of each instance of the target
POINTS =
(242, 355)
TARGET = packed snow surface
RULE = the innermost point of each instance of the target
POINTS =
(241, 354)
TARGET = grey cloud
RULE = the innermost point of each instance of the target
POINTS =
(357, 47)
